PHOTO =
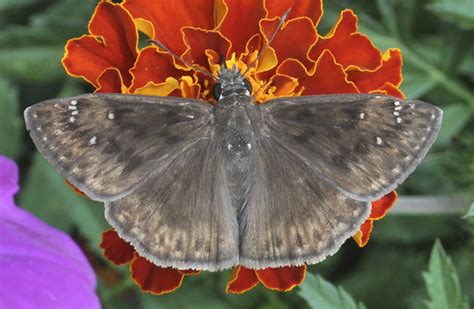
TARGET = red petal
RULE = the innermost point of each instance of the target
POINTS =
(112, 44)
(110, 81)
(241, 22)
(199, 40)
(390, 89)
(241, 280)
(309, 8)
(115, 248)
(153, 66)
(348, 46)
(363, 235)
(168, 17)
(294, 39)
(154, 279)
(76, 190)
(282, 278)
(389, 72)
(328, 77)
(381, 206)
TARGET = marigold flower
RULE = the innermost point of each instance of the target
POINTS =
(41, 266)
(299, 61)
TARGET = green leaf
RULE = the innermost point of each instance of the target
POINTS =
(459, 12)
(321, 294)
(455, 117)
(32, 63)
(11, 124)
(470, 213)
(442, 281)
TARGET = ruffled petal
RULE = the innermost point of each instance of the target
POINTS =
(110, 81)
(253, 11)
(168, 17)
(200, 40)
(293, 40)
(283, 278)
(329, 76)
(112, 43)
(390, 71)
(349, 47)
(116, 250)
(154, 279)
(155, 66)
(241, 280)
(309, 8)
(381, 206)
(363, 235)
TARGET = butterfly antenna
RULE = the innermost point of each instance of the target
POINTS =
(192, 66)
(264, 49)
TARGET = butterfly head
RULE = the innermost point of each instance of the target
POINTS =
(231, 82)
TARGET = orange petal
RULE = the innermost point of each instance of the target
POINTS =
(241, 22)
(76, 190)
(155, 279)
(293, 40)
(189, 272)
(363, 235)
(309, 8)
(199, 40)
(349, 47)
(115, 248)
(390, 71)
(283, 278)
(153, 66)
(241, 280)
(328, 77)
(110, 81)
(112, 43)
(381, 206)
(168, 17)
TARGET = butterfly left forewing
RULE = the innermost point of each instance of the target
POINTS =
(107, 144)
(365, 145)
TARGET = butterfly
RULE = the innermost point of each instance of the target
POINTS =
(201, 186)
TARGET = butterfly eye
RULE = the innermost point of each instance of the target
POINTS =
(216, 91)
(248, 85)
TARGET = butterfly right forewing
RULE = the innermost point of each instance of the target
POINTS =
(365, 145)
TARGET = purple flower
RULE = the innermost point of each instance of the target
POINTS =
(40, 266)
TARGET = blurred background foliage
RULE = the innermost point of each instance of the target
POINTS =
(393, 271)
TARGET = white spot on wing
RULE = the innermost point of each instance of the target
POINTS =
(111, 116)
(72, 107)
(190, 116)
(362, 116)
(379, 140)
(249, 146)
(93, 140)
(45, 139)
(396, 113)
(399, 119)
(73, 102)
(74, 113)
(72, 119)
(396, 103)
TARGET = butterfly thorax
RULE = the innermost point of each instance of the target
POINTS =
(230, 82)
